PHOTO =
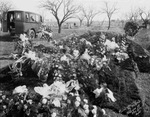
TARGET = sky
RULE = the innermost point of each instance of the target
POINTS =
(123, 6)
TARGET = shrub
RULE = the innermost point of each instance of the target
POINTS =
(131, 28)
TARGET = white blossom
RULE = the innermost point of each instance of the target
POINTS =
(3, 97)
(104, 112)
(85, 106)
(78, 98)
(44, 91)
(86, 56)
(61, 46)
(121, 56)
(23, 37)
(111, 45)
(53, 114)
(31, 55)
(76, 53)
(56, 102)
(110, 95)
(29, 101)
(20, 89)
(85, 100)
(44, 101)
(97, 91)
(94, 111)
(57, 88)
(65, 58)
(87, 111)
(77, 103)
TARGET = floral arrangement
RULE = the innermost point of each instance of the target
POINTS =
(70, 71)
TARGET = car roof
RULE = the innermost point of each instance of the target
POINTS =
(22, 11)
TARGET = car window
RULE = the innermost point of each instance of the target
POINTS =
(32, 18)
(27, 17)
(18, 16)
(37, 18)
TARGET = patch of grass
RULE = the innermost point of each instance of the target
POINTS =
(6, 48)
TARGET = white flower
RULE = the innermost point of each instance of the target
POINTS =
(113, 39)
(110, 95)
(76, 53)
(3, 97)
(60, 86)
(86, 106)
(23, 37)
(95, 107)
(31, 55)
(104, 59)
(85, 100)
(29, 101)
(57, 88)
(4, 107)
(25, 106)
(20, 89)
(44, 101)
(21, 101)
(56, 102)
(1, 101)
(77, 103)
(64, 97)
(97, 91)
(65, 58)
(68, 101)
(44, 91)
(86, 56)
(121, 56)
(88, 43)
(72, 94)
(94, 111)
(53, 114)
(78, 98)
(87, 111)
(111, 45)
(104, 112)
(61, 46)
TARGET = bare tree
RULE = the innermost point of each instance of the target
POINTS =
(145, 17)
(109, 10)
(62, 10)
(89, 15)
(132, 15)
(80, 17)
(4, 7)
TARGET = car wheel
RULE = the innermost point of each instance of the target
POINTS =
(31, 34)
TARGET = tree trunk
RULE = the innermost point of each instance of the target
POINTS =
(108, 24)
(80, 23)
(59, 28)
(88, 24)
